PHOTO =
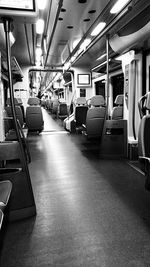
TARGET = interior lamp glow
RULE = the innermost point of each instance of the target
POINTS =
(118, 6)
(102, 56)
(41, 4)
(98, 28)
(85, 43)
(38, 53)
(40, 26)
(12, 38)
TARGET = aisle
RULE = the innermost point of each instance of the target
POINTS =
(90, 212)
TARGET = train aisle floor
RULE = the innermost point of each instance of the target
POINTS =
(90, 211)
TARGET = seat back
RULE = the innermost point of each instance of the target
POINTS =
(144, 140)
(62, 111)
(80, 111)
(34, 115)
(19, 110)
(117, 112)
(19, 114)
(55, 104)
(33, 101)
(95, 117)
(144, 131)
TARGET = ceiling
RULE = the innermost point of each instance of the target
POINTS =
(69, 20)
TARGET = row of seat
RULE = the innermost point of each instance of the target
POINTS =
(60, 109)
(33, 119)
(89, 119)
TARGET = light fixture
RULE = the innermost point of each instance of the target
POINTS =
(102, 56)
(118, 6)
(40, 26)
(98, 28)
(75, 43)
(38, 53)
(85, 43)
(41, 4)
(100, 65)
(12, 38)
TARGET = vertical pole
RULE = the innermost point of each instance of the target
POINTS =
(107, 75)
(7, 27)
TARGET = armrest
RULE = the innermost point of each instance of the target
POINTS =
(84, 126)
(145, 161)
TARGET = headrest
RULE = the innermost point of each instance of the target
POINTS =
(33, 101)
(97, 100)
(19, 101)
(147, 101)
(8, 103)
(119, 100)
(81, 101)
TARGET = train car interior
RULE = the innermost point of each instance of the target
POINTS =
(74, 133)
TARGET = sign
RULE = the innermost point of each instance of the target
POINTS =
(20, 10)
(17, 4)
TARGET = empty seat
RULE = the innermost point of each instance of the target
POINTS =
(95, 117)
(54, 106)
(5, 191)
(80, 113)
(144, 141)
(34, 116)
(117, 112)
(62, 111)
(18, 109)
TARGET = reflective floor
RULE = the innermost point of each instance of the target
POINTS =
(90, 211)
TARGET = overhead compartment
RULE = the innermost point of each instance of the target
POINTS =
(133, 34)
(123, 43)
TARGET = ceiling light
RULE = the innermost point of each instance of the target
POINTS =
(100, 65)
(98, 28)
(12, 38)
(118, 6)
(41, 4)
(102, 56)
(38, 53)
(40, 26)
(85, 43)
(75, 43)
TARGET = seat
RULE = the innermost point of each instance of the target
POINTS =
(5, 191)
(34, 116)
(144, 140)
(10, 133)
(62, 112)
(18, 109)
(117, 112)
(80, 113)
(54, 106)
(95, 117)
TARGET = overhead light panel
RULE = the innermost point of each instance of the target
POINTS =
(102, 56)
(40, 26)
(98, 28)
(38, 53)
(41, 4)
(85, 43)
(118, 6)
(12, 38)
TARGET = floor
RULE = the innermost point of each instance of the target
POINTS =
(90, 211)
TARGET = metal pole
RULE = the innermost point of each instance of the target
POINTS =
(7, 26)
(107, 75)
